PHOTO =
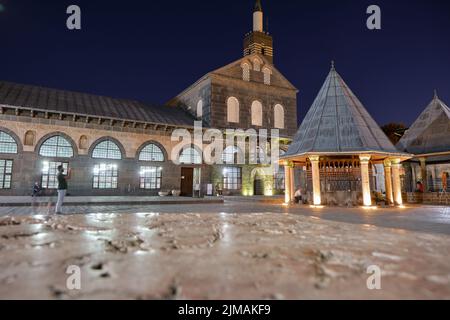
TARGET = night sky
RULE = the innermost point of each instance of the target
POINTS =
(152, 50)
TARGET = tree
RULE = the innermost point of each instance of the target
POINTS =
(394, 131)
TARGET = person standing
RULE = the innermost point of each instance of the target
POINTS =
(62, 188)
(444, 181)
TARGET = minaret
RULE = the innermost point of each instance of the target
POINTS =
(258, 41)
(258, 17)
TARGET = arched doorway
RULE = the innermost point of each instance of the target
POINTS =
(258, 185)
(259, 179)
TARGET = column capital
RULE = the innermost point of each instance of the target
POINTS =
(423, 160)
(387, 163)
(314, 158)
(396, 162)
(365, 158)
(289, 164)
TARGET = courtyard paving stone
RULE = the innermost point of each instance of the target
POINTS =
(237, 250)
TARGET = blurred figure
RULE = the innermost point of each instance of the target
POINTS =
(298, 195)
(62, 188)
(36, 189)
(444, 181)
(419, 187)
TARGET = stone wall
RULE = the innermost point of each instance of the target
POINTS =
(433, 198)
(189, 99)
(27, 164)
(247, 93)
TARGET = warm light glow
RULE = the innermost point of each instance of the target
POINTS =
(370, 208)
(317, 207)
(285, 204)
(367, 200)
(402, 207)
(268, 190)
(317, 200)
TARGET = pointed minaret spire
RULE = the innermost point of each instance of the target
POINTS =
(258, 6)
(258, 19)
(435, 94)
(332, 65)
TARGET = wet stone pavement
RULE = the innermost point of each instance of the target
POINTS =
(225, 251)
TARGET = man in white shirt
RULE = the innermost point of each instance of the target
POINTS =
(298, 195)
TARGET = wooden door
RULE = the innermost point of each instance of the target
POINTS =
(187, 182)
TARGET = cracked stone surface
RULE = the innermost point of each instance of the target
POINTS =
(217, 256)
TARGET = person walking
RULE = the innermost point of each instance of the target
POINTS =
(62, 188)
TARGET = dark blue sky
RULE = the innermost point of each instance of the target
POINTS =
(152, 50)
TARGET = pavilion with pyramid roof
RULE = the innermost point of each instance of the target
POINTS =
(429, 140)
(338, 144)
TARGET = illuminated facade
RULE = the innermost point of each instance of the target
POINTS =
(124, 147)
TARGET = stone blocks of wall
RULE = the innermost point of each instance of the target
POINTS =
(247, 93)
(432, 198)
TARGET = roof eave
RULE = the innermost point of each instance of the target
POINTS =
(378, 154)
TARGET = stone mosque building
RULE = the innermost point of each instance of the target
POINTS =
(339, 155)
(123, 147)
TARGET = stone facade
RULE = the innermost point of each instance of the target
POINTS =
(27, 163)
(215, 88)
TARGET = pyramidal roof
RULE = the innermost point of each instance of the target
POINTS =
(430, 133)
(338, 123)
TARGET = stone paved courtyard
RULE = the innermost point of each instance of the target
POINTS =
(236, 250)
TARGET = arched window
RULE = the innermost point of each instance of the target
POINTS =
(200, 108)
(233, 110)
(190, 156)
(279, 116)
(256, 113)
(246, 72)
(256, 65)
(262, 155)
(107, 149)
(30, 137)
(280, 179)
(7, 143)
(152, 153)
(83, 143)
(231, 155)
(56, 147)
(267, 75)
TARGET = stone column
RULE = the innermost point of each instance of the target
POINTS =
(292, 181)
(287, 185)
(317, 198)
(388, 181)
(423, 170)
(365, 180)
(397, 186)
